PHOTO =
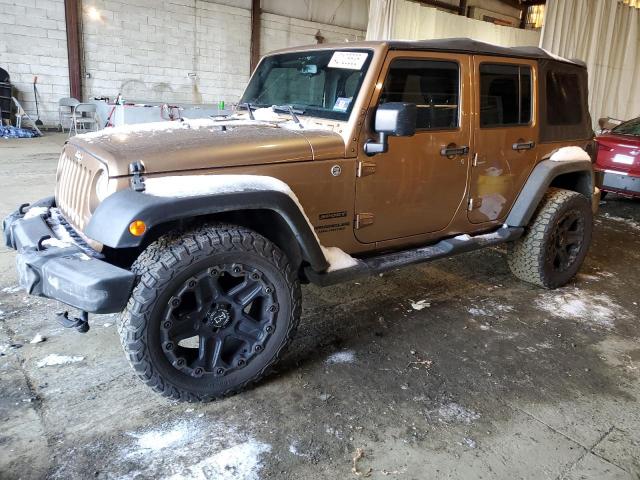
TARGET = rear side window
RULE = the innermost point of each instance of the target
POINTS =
(564, 104)
(505, 95)
(434, 87)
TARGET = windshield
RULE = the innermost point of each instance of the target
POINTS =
(632, 127)
(322, 83)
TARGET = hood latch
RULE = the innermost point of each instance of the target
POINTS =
(137, 180)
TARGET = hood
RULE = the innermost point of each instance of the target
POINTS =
(201, 144)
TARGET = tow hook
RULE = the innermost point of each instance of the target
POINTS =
(81, 324)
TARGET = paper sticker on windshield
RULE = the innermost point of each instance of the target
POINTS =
(348, 60)
(342, 104)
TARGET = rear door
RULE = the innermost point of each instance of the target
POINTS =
(505, 132)
(418, 185)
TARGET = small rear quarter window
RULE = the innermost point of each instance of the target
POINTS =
(564, 104)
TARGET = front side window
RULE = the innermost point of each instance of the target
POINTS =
(434, 86)
(564, 104)
(322, 83)
(505, 95)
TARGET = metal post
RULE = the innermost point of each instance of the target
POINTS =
(71, 15)
(255, 34)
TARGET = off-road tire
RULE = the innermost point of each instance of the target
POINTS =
(529, 257)
(175, 258)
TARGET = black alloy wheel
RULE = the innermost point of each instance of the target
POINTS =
(566, 241)
(218, 320)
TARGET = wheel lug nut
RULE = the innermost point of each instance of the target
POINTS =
(267, 290)
(273, 308)
(258, 348)
(180, 362)
(213, 272)
(175, 302)
(168, 346)
(241, 363)
(255, 276)
(168, 325)
(236, 270)
(269, 329)
(220, 371)
(198, 371)
(191, 284)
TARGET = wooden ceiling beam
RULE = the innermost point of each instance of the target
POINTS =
(440, 4)
(462, 8)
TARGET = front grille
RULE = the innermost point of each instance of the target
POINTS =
(76, 172)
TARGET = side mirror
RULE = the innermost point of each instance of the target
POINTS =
(393, 118)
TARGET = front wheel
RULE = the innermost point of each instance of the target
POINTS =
(214, 308)
(556, 242)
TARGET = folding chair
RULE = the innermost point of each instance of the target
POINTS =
(65, 111)
(20, 114)
(84, 115)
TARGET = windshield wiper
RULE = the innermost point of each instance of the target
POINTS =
(291, 111)
(250, 108)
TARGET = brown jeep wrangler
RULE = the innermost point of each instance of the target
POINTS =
(340, 161)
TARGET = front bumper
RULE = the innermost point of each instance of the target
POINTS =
(61, 270)
(621, 183)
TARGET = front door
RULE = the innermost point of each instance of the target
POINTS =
(505, 135)
(419, 184)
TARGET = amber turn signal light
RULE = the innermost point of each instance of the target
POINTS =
(137, 228)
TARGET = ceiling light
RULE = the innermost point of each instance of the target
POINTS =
(94, 14)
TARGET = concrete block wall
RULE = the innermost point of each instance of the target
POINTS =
(182, 51)
(166, 51)
(33, 42)
(146, 49)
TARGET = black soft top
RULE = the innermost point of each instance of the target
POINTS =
(556, 77)
(467, 45)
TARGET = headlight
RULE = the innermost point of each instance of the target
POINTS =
(102, 186)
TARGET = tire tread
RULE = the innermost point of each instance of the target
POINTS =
(154, 269)
(526, 255)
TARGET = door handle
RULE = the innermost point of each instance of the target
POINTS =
(524, 145)
(453, 151)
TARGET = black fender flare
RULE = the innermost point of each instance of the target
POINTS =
(110, 222)
(541, 178)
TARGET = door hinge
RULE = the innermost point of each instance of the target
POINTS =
(475, 162)
(366, 168)
(474, 203)
(363, 219)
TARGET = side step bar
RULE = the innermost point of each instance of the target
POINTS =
(392, 261)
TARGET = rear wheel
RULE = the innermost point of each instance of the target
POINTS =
(213, 310)
(555, 244)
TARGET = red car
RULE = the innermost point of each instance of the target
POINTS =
(618, 159)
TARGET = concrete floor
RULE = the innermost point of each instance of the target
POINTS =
(492, 379)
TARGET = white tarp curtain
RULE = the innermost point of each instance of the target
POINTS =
(604, 34)
(406, 20)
